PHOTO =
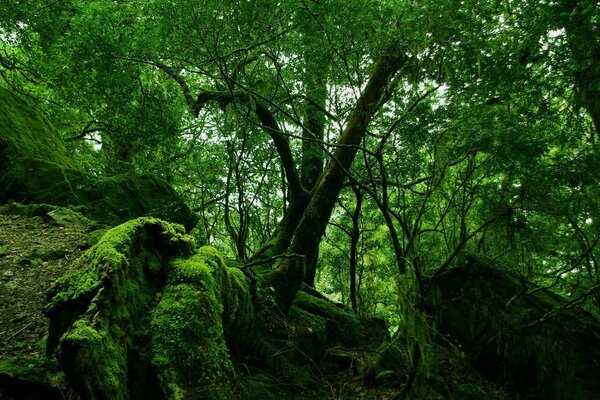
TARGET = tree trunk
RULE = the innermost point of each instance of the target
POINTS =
(354, 247)
(289, 274)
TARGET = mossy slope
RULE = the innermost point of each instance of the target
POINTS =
(25, 133)
(110, 200)
(517, 334)
(35, 168)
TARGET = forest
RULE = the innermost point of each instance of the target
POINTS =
(299, 199)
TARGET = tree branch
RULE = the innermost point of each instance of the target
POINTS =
(267, 122)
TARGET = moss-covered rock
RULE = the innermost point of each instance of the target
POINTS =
(24, 132)
(343, 327)
(188, 342)
(110, 200)
(131, 322)
(34, 168)
(99, 312)
(517, 333)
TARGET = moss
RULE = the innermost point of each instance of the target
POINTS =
(95, 236)
(46, 254)
(310, 332)
(97, 311)
(34, 167)
(31, 377)
(29, 210)
(484, 308)
(201, 301)
(23, 367)
(64, 216)
(96, 359)
(212, 256)
(24, 132)
(110, 200)
(129, 314)
(343, 326)
(189, 350)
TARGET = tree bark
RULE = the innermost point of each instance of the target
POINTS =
(354, 246)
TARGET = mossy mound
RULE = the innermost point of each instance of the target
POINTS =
(34, 168)
(29, 377)
(131, 322)
(518, 334)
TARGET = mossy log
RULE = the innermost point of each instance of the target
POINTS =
(35, 168)
(518, 334)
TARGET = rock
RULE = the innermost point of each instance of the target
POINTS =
(29, 378)
(131, 322)
(524, 341)
(67, 217)
(47, 254)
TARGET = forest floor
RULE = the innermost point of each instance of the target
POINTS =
(34, 251)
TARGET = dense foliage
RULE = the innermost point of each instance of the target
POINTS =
(480, 133)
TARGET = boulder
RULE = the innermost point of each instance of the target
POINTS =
(516, 333)
(142, 316)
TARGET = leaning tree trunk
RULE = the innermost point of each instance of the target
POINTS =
(288, 275)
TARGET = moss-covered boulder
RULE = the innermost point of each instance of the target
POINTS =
(141, 317)
(35, 168)
(110, 200)
(518, 334)
(29, 378)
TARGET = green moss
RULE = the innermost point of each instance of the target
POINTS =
(49, 253)
(34, 372)
(189, 350)
(95, 236)
(110, 200)
(310, 332)
(486, 309)
(34, 167)
(98, 310)
(212, 256)
(195, 269)
(29, 210)
(343, 326)
(24, 132)
(94, 361)
(65, 216)
(200, 302)
(129, 314)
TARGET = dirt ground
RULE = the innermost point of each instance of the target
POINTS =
(34, 251)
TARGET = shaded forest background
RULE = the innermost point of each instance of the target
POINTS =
(379, 152)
